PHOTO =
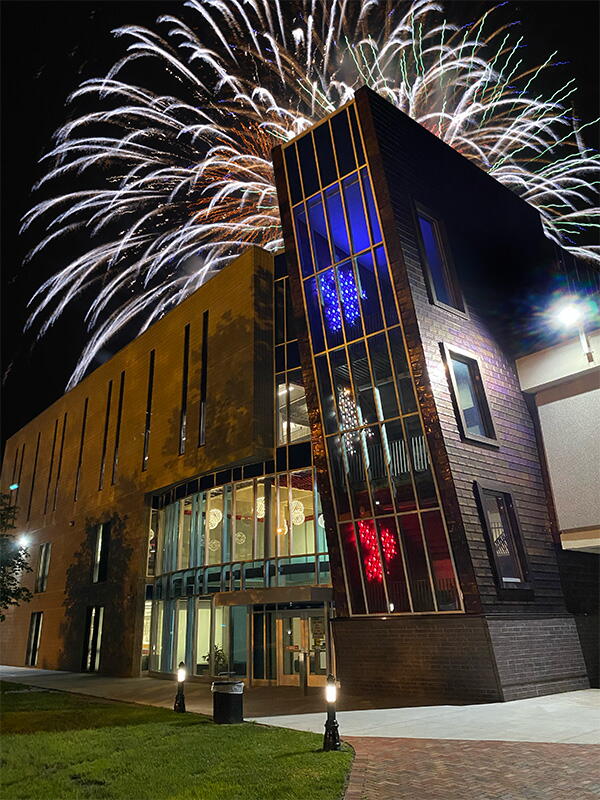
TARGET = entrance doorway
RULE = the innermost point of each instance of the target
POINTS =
(301, 643)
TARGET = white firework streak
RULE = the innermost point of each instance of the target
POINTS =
(186, 181)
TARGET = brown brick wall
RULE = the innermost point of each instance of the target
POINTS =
(239, 429)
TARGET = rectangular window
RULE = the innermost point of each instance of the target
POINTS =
(440, 276)
(41, 578)
(475, 419)
(184, 390)
(33, 642)
(118, 430)
(148, 411)
(105, 436)
(505, 542)
(153, 542)
(80, 456)
(93, 638)
(100, 568)
(35, 461)
(19, 476)
(203, 381)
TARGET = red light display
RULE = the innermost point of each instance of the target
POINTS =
(371, 557)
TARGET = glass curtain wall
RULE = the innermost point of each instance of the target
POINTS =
(393, 539)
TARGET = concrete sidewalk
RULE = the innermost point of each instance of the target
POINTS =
(571, 717)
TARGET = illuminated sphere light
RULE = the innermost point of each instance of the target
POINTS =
(215, 517)
(260, 507)
(23, 540)
(371, 557)
(349, 295)
(330, 303)
(297, 512)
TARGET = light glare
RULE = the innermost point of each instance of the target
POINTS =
(331, 693)
(181, 674)
(569, 315)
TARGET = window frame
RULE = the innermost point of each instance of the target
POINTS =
(43, 567)
(101, 552)
(505, 590)
(419, 210)
(491, 438)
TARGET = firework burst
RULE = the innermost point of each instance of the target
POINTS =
(176, 185)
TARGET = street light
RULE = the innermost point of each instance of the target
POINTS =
(570, 313)
(331, 740)
(180, 697)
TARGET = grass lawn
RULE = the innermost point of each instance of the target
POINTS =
(59, 746)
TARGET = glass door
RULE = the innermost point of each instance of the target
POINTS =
(301, 643)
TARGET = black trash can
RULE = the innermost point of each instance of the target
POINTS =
(228, 702)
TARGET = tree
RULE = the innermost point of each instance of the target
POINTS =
(14, 560)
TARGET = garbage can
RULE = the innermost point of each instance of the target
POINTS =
(228, 702)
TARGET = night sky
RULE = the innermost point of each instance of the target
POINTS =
(49, 47)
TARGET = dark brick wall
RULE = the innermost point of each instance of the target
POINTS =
(491, 233)
(537, 656)
(419, 660)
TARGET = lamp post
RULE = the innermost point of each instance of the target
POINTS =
(180, 697)
(331, 740)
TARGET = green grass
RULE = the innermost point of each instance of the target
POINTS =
(59, 746)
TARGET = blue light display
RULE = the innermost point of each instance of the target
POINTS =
(329, 298)
(349, 293)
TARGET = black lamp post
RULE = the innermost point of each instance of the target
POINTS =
(331, 740)
(180, 697)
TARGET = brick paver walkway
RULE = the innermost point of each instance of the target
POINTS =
(438, 769)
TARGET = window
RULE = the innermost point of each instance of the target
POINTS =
(148, 410)
(184, 390)
(441, 278)
(505, 543)
(100, 569)
(118, 429)
(203, 381)
(93, 638)
(292, 413)
(33, 642)
(475, 419)
(41, 578)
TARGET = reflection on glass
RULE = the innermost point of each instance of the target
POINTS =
(387, 295)
(396, 455)
(314, 315)
(216, 527)
(369, 299)
(282, 410)
(372, 566)
(332, 315)
(440, 562)
(184, 538)
(334, 446)
(357, 222)
(303, 241)
(243, 534)
(283, 517)
(302, 513)
(468, 383)
(349, 549)
(393, 565)
(348, 293)
(221, 648)
(337, 224)
(373, 221)
(420, 461)
(279, 323)
(435, 261)
(352, 457)
(403, 378)
(238, 638)
(365, 408)
(325, 155)
(374, 457)
(318, 230)
(503, 542)
(292, 644)
(326, 395)
(266, 518)
(385, 395)
(298, 411)
(418, 573)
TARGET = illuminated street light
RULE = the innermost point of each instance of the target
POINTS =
(331, 740)
(23, 540)
(570, 313)
(13, 486)
(180, 697)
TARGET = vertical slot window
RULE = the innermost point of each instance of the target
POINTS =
(80, 454)
(442, 282)
(19, 475)
(184, 390)
(51, 467)
(35, 462)
(105, 436)
(41, 577)
(93, 638)
(33, 640)
(203, 381)
(101, 548)
(60, 460)
(475, 419)
(118, 428)
(504, 537)
(148, 420)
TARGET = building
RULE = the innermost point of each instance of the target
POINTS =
(322, 461)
